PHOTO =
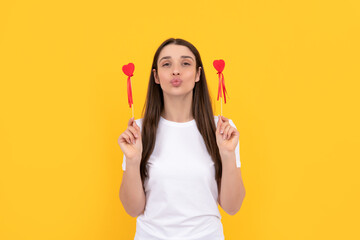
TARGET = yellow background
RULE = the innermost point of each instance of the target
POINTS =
(292, 74)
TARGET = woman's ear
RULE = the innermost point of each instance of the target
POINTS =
(198, 75)
(155, 76)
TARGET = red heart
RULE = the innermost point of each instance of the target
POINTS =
(128, 69)
(219, 65)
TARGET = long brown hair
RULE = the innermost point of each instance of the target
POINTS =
(201, 109)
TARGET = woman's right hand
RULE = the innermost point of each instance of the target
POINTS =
(132, 151)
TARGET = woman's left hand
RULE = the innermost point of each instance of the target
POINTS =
(229, 138)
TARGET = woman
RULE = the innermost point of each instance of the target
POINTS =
(178, 165)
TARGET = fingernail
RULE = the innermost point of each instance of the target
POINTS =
(133, 141)
(136, 135)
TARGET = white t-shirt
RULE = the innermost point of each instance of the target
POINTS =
(181, 191)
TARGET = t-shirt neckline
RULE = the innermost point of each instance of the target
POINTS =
(177, 124)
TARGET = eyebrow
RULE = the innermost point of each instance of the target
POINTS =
(167, 57)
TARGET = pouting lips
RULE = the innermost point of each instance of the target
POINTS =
(176, 82)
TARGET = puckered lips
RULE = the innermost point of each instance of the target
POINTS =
(176, 82)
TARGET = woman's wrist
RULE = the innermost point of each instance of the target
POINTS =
(133, 162)
(227, 154)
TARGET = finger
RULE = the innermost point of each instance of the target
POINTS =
(137, 128)
(126, 137)
(121, 138)
(218, 125)
(223, 126)
(130, 121)
(224, 119)
(131, 135)
(234, 132)
(133, 131)
(226, 130)
(230, 132)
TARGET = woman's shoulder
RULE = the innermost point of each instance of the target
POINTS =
(139, 121)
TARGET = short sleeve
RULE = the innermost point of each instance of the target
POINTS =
(124, 163)
(237, 149)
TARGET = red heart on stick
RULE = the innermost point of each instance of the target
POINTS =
(128, 69)
(219, 65)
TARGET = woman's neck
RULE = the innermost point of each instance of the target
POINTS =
(178, 108)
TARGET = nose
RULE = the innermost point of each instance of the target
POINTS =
(175, 71)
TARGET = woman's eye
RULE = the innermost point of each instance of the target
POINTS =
(166, 64)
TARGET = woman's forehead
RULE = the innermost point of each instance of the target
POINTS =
(175, 51)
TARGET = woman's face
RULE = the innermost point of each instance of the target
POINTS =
(176, 70)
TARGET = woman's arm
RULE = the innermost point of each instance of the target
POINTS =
(132, 194)
(232, 191)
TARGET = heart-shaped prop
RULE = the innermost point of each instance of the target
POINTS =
(128, 69)
(219, 65)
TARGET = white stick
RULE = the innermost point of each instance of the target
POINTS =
(221, 105)
(132, 108)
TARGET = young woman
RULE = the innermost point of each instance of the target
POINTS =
(180, 160)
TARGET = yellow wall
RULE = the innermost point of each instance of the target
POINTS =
(292, 74)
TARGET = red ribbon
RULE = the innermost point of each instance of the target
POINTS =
(129, 91)
(221, 86)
